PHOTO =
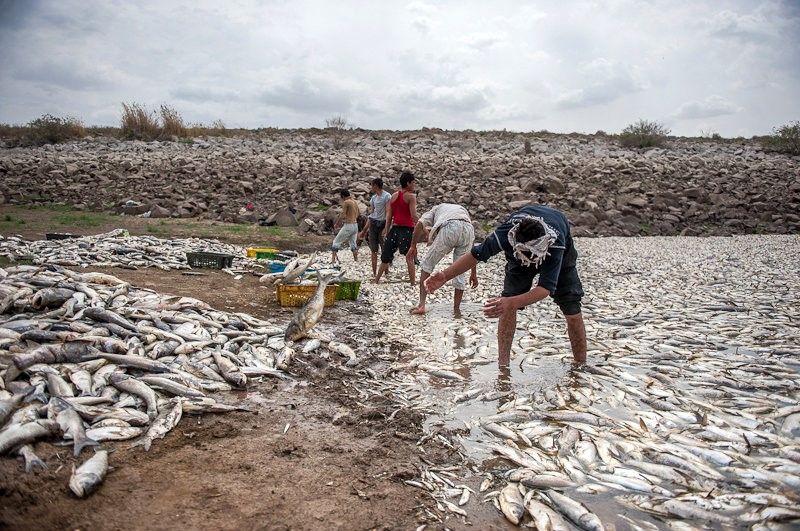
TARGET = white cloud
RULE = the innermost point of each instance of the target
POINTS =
(603, 82)
(708, 108)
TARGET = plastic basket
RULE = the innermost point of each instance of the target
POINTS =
(266, 255)
(276, 267)
(209, 260)
(252, 252)
(347, 290)
(298, 295)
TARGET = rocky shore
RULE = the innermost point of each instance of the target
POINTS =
(689, 187)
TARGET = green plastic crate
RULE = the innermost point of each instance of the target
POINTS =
(266, 255)
(347, 290)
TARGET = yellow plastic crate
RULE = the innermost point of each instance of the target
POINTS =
(298, 295)
(252, 251)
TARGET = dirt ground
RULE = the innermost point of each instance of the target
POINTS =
(339, 465)
(34, 222)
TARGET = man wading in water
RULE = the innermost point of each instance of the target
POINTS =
(536, 241)
(401, 217)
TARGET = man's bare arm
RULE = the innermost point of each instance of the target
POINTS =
(412, 207)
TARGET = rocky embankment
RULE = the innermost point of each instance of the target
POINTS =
(291, 177)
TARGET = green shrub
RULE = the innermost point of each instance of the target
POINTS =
(644, 134)
(47, 129)
(785, 139)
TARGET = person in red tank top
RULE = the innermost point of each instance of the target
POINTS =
(401, 217)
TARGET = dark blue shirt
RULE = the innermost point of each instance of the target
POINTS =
(550, 268)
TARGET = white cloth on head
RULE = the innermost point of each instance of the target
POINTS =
(532, 252)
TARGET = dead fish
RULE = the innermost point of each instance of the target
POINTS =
(71, 424)
(172, 387)
(229, 370)
(113, 433)
(307, 317)
(131, 385)
(343, 349)
(18, 434)
(298, 271)
(8, 406)
(32, 461)
(167, 419)
(87, 477)
(511, 503)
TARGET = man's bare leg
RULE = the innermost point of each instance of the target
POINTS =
(577, 336)
(355, 255)
(506, 327)
(458, 296)
(334, 257)
(423, 295)
(374, 264)
(412, 270)
(381, 270)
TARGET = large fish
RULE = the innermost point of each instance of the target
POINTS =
(297, 272)
(71, 424)
(307, 317)
(87, 477)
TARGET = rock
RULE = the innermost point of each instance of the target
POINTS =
(638, 201)
(283, 218)
(247, 186)
(305, 226)
(157, 211)
(553, 185)
(516, 205)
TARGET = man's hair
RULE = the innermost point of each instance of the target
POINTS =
(529, 229)
(377, 181)
(405, 178)
(344, 192)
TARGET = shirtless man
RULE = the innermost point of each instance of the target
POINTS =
(349, 230)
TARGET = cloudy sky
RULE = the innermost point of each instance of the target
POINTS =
(731, 67)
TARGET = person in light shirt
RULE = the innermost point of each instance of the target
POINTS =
(376, 221)
(449, 230)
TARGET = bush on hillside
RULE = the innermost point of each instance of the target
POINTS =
(644, 134)
(139, 123)
(785, 139)
(171, 123)
(47, 129)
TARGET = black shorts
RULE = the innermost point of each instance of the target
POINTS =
(399, 239)
(569, 290)
(375, 235)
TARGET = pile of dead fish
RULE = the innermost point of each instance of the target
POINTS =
(687, 414)
(86, 358)
(117, 249)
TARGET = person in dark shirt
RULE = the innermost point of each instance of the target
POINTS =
(536, 240)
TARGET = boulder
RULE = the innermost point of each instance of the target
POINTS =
(157, 211)
(283, 218)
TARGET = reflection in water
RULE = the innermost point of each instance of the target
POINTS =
(504, 385)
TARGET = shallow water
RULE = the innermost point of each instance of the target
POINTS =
(701, 313)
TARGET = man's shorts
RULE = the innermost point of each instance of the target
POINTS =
(399, 239)
(347, 234)
(375, 235)
(569, 290)
(456, 237)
